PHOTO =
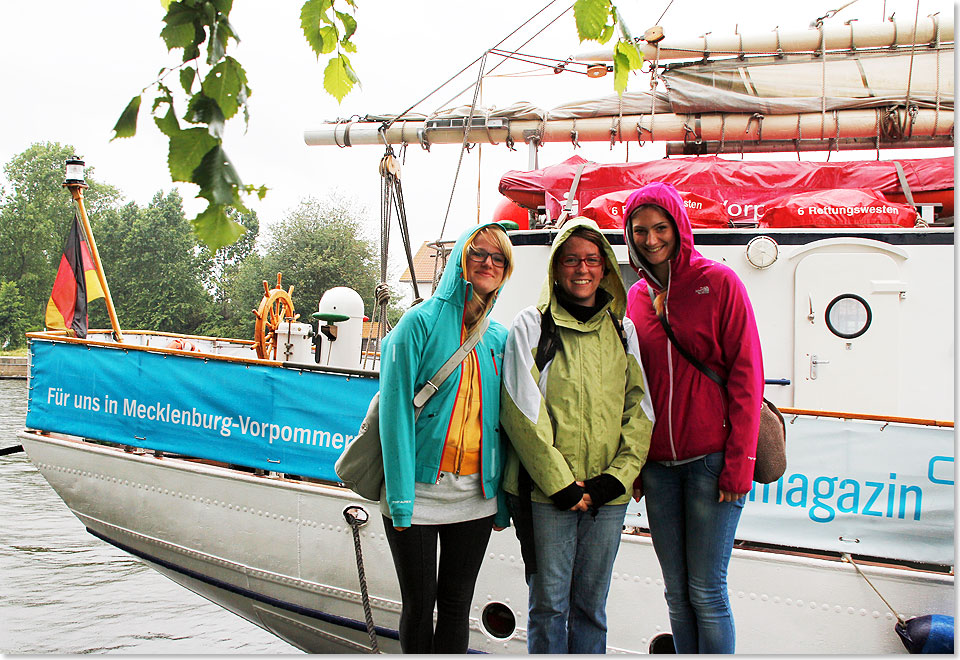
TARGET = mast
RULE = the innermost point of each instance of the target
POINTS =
(728, 127)
(931, 31)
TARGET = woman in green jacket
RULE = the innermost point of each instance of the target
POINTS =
(442, 471)
(575, 409)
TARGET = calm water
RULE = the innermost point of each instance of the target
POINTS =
(63, 591)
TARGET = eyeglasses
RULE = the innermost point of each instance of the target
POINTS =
(479, 256)
(571, 261)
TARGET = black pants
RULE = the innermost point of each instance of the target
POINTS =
(449, 587)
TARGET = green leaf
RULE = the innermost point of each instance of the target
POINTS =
(607, 33)
(591, 17)
(348, 46)
(329, 36)
(223, 6)
(225, 84)
(213, 227)
(218, 180)
(127, 124)
(621, 69)
(180, 27)
(629, 50)
(217, 46)
(202, 109)
(349, 24)
(187, 149)
(187, 75)
(312, 14)
(339, 77)
(168, 124)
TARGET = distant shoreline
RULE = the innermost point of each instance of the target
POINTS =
(13, 368)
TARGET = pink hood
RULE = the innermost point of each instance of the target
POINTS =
(666, 197)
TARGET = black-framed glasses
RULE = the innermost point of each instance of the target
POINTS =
(572, 261)
(479, 256)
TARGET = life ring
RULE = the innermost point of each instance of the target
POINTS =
(180, 344)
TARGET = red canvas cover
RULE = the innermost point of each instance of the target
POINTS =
(607, 210)
(742, 187)
(837, 208)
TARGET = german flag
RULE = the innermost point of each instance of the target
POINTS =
(75, 286)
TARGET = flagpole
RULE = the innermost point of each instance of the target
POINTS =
(76, 190)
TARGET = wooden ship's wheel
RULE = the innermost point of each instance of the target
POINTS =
(275, 308)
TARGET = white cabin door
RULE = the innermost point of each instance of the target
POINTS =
(847, 339)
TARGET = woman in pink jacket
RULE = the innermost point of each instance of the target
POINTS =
(702, 453)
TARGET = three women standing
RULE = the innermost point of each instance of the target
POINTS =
(575, 408)
(702, 453)
(442, 471)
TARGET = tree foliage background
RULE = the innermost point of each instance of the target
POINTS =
(161, 277)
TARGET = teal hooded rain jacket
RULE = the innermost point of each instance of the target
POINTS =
(412, 352)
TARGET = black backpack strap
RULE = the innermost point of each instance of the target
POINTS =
(549, 341)
(619, 326)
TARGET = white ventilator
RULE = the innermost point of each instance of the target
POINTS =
(340, 318)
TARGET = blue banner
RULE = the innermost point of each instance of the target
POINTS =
(273, 418)
(863, 487)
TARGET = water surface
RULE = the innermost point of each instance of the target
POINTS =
(63, 591)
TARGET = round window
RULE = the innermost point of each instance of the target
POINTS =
(848, 316)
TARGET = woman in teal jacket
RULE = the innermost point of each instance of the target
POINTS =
(442, 470)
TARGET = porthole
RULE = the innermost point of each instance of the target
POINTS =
(497, 620)
(662, 643)
(848, 316)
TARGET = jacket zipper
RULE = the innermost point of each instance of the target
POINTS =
(673, 447)
(480, 392)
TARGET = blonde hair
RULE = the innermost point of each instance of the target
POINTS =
(478, 307)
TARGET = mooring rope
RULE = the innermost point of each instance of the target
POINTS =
(357, 517)
(846, 557)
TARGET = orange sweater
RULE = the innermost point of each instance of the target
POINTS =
(461, 453)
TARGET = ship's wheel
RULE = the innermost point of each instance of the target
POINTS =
(275, 308)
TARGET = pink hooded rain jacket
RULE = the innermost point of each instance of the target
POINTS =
(711, 316)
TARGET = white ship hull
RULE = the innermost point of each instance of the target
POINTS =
(278, 553)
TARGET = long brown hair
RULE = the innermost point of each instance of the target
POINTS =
(478, 307)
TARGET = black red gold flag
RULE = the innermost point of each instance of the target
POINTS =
(76, 285)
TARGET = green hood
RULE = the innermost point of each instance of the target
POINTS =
(611, 282)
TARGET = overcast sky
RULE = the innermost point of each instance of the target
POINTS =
(71, 67)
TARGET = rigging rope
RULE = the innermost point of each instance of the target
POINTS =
(456, 75)
(463, 145)
(391, 198)
(496, 66)
(913, 50)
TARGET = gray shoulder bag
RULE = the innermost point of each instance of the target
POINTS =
(360, 466)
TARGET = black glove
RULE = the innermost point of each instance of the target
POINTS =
(566, 498)
(603, 488)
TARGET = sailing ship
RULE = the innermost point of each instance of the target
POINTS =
(212, 459)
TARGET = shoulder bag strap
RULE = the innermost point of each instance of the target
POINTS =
(707, 371)
(432, 385)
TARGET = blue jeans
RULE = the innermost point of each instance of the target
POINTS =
(568, 593)
(693, 537)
